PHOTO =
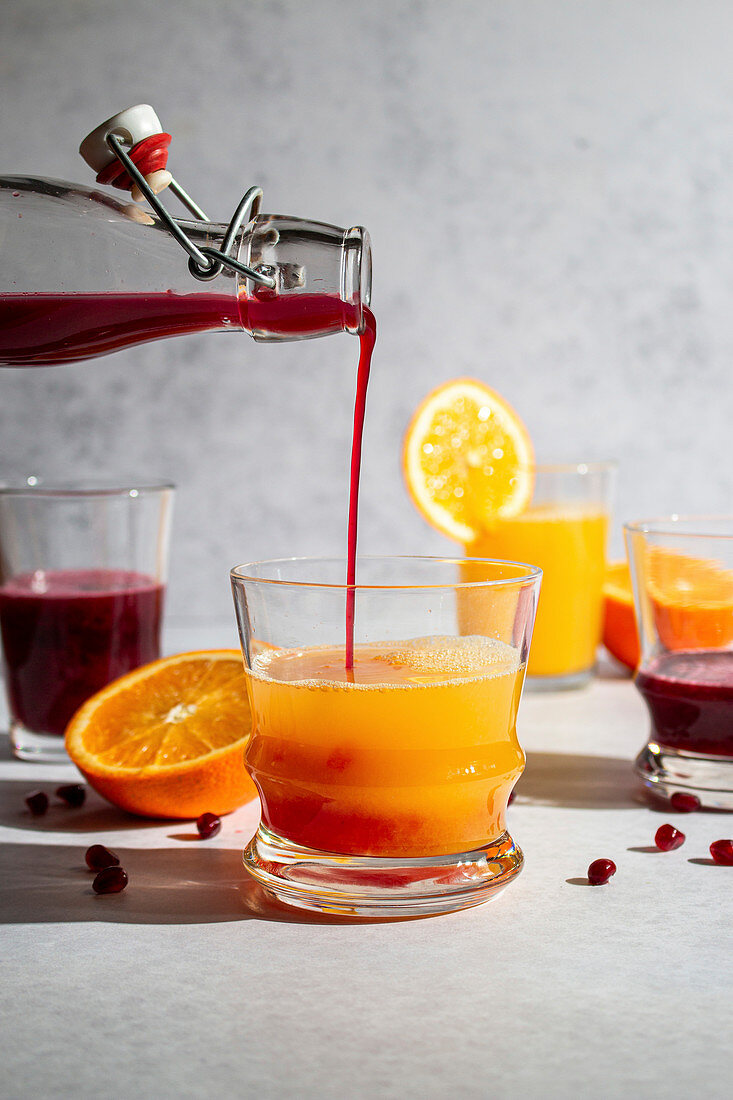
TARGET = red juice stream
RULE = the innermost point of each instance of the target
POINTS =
(367, 340)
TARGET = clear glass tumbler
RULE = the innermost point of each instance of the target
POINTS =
(564, 531)
(82, 576)
(682, 571)
(384, 787)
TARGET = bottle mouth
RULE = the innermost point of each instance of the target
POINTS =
(356, 277)
(322, 275)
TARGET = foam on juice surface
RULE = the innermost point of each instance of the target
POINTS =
(413, 662)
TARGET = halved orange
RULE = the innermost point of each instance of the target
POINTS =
(467, 459)
(620, 636)
(692, 599)
(168, 739)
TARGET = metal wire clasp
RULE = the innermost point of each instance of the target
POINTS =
(204, 263)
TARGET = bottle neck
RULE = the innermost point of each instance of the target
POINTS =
(321, 275)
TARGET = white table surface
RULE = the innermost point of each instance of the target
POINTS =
(189, 984)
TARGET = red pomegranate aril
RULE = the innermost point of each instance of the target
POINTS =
(110, 880)
(511, 797)
(73, 794)
(600, 871)
(37, 803)
(208, 825)
(667, 838)
(99, 858)
(722, 852)
(684, 803)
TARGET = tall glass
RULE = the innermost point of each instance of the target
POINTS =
(384, 787)
(564, 531)
(82, 575)
(682, 571)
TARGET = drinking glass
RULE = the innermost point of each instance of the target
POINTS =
(682, 572)
(564, 531)
(82, 576)
(384, 787)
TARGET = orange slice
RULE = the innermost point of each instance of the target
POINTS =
(168, 739)
(467, 459)
(692, 599)
(620, 636)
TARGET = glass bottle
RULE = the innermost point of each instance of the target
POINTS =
(84, 274)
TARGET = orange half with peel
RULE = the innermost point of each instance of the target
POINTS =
(168, 739)
(620, 636)
(467, 459)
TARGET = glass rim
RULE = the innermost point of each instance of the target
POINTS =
(531, 573)
(668, 525)
(34, 486)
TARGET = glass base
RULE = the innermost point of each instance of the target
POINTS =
(45, 748)
(568, 682)
(663, 772)
(372, 886)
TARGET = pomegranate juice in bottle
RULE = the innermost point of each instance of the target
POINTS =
(47, 329)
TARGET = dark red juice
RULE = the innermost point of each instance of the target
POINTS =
(67, 633)
(690, 699)
(46, 329)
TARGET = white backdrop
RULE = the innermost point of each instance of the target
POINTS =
(549, 189)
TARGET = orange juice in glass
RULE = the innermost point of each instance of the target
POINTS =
(384, 787)
(564, 531)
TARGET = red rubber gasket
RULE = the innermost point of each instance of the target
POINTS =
(149, 155)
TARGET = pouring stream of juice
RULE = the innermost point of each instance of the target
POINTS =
(43, 329)
(366, 346)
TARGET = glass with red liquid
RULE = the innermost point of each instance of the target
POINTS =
(82, 581)
(682, 569)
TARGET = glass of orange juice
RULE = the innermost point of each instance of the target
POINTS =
(384, 786)
(564, 531)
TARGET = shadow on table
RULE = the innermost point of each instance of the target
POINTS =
(50, 884)
(95, 816)
(577, 782)
(189, 883)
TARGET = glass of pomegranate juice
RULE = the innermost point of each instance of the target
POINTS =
(82, 576)
(384, 743)
(682, 569)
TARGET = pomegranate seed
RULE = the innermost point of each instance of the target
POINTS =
(98, 858)
(110, 880)
(667, 838)
(37, 803)
(73, 794)
(511, 798)
(722, 852)
(684, 803)
(600, 871)
(208, 825)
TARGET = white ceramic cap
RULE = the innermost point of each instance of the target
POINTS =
(131, 125)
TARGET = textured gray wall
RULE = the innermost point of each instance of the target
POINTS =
(549, 189)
